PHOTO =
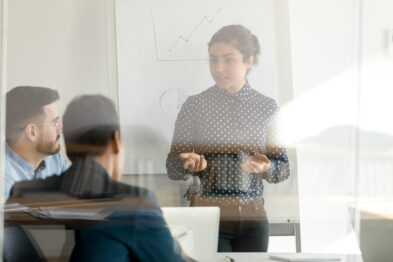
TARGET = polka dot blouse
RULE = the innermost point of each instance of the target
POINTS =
(227, 129)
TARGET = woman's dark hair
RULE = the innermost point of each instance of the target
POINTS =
(242, 39)
(89, 124)
(23, 104)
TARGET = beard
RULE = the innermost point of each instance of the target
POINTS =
(49, 147)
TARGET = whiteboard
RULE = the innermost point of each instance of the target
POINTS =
(163, 58)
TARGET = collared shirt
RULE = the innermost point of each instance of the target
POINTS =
(18, 169)
(227, 129)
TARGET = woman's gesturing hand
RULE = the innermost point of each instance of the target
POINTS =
(194, 162)
(256, 164)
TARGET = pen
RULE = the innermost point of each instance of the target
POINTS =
(181, 235)
(227, 258)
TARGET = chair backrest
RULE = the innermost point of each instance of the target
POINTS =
(195, 228)
(18, 245)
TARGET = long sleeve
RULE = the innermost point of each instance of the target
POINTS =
(183, 141)
(279, 164)
(227, 129)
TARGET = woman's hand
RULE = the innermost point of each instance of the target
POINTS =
(256, 164)
(194, 162)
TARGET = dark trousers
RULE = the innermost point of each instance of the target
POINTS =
(244, 226)
(244, 236)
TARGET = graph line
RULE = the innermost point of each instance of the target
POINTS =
(186, 39)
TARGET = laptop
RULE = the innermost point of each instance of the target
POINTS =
(196, 229)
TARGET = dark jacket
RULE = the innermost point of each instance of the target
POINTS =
(134, 230)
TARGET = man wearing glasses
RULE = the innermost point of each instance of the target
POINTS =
(33, 130)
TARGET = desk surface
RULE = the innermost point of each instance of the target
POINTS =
(290, 214)
(260, 257)
(75, 211)
(377, 208)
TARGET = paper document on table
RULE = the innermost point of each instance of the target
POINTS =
(70, 213)
(303, 258)
(14, 207)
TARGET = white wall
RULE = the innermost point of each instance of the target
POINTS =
(67, 45)
(58, 44)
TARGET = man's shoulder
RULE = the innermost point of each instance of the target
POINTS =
(10, 164)
(54, 158)
(13, 160)
(56, 163)
(14, 169)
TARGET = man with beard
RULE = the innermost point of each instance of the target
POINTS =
(33, 130)
(134, 228)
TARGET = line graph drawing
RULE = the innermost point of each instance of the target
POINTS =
(145, 31)
(185, 38)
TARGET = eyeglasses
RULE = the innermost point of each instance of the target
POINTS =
(56, 123)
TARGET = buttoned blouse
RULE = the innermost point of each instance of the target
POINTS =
(227, 129)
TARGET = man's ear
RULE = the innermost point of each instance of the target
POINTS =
(31, 132)
(116, 143)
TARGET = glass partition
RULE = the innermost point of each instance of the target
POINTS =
(199, 129)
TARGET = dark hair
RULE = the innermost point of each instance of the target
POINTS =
(23, 104)
(89, 124)
(242, 39)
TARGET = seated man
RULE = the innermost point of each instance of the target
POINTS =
(135, 228)
(33, 129)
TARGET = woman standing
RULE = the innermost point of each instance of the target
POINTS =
(225, 139)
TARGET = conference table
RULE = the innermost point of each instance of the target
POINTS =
(25, 219)
(290, 219)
